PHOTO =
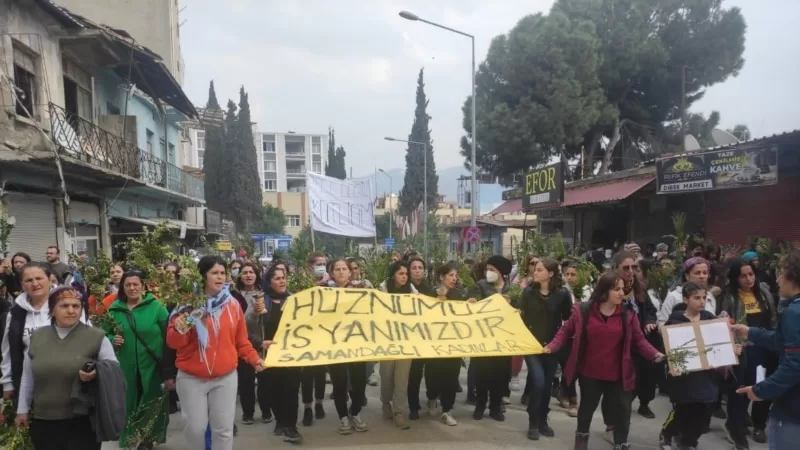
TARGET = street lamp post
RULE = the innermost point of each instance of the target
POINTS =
(391, 214)
(424, 190)
(473, 197)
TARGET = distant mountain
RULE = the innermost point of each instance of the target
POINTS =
(490, 194)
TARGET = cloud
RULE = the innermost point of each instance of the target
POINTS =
(353, 65)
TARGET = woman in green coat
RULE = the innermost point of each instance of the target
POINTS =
(139, 326)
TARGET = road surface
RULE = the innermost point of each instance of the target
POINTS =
(429, 434)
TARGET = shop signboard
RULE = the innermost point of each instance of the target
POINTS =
(723, 169)
(540, 187)
(544, 186)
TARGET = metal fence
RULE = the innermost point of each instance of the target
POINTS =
(91, 144)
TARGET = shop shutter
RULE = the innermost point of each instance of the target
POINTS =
(83, 213)
(735, 215)
(35, 229)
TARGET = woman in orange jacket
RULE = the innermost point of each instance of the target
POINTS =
(208, 344)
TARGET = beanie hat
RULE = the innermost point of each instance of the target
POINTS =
(749, 256)
(632, 247)
(501, 263)
(662, 247)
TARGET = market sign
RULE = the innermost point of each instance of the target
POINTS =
(224, 246)
(540, 187)
(724, 169)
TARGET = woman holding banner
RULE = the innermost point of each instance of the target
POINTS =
(441, 374)
(417, 271)
(282, 383)
(492, 374)
(350, 419)
(394, 374)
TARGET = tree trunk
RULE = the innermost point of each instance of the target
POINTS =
(590, 146)
(606, 164)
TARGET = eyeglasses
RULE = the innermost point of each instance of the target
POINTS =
(630, 268)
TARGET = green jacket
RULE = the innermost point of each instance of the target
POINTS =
(141, 361)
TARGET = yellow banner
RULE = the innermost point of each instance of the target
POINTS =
(224, 246)
(323, 326)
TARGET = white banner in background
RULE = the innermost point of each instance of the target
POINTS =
(343, 207)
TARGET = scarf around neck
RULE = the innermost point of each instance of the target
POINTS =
(213, 309)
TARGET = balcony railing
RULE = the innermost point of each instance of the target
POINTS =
(296, 172)
(91, 144)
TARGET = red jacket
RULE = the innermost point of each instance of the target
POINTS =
(224, 347)
(633, 338)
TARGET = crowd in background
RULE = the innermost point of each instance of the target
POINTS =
(601, 338)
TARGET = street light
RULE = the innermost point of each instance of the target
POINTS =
(424, 190)
(391, 214)
(413, 17)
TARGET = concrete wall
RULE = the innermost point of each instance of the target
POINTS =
(292, 204)
(153, 23)
(34, 31)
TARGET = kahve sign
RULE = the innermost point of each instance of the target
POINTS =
(343, 207)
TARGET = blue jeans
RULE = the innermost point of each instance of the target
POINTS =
(541, 370)
(783, 435)
(208, 438)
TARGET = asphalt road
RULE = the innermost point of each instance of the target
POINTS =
(429, 434)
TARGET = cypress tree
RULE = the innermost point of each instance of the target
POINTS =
(245, 183)
(413, 184)
(214, 161)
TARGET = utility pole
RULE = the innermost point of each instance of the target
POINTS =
(683, 107)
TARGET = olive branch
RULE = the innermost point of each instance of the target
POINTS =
(145, 420)
(12, 437)
(678, 358)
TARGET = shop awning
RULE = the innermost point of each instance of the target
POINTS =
(508, 207)
(605, 192)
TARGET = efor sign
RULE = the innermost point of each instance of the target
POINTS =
(543, 180)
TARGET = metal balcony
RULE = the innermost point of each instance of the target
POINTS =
(93, 145)
(295, 173)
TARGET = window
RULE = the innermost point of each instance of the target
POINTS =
(201, 140)
(316, 146)
(112, 109)
(316, 167)
(294, 221)
(24, 82)
(163, 149)
(268, 143)
(171, 154)
(200, 161)
(149, 144)
(270, 166)
(270, 181)
(77, 90)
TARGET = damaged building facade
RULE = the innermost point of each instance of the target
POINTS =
(90, 134)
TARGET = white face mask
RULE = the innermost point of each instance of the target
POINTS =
(234, 273)
(319, 271)
(491, 276)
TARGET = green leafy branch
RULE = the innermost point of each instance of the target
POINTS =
(146, 420)
(12, 437)
(678, 358)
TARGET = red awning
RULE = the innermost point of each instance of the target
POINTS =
(508, 207)
(605, 192)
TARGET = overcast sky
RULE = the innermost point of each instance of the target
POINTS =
(353, 65)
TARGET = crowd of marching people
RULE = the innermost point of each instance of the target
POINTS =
(602, 349)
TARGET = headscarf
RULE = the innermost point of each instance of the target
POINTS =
(662, 247)
(749, 256)
(632, 247)
(691, 262)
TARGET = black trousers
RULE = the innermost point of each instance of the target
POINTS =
(68, 434)
(313, 382)
(491, 381)
(356, 372)
(441, 380)
(283, 389)
(414, 382)
(248, 392)
(617, 408)
(688, 421)
(649, 374)
(568, 390)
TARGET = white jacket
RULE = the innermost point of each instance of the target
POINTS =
(675, 297)
(33, 321)
(382, 287)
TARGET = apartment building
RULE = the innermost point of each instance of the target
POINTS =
(283, 161)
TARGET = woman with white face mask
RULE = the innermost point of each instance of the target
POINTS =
(492, 374)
